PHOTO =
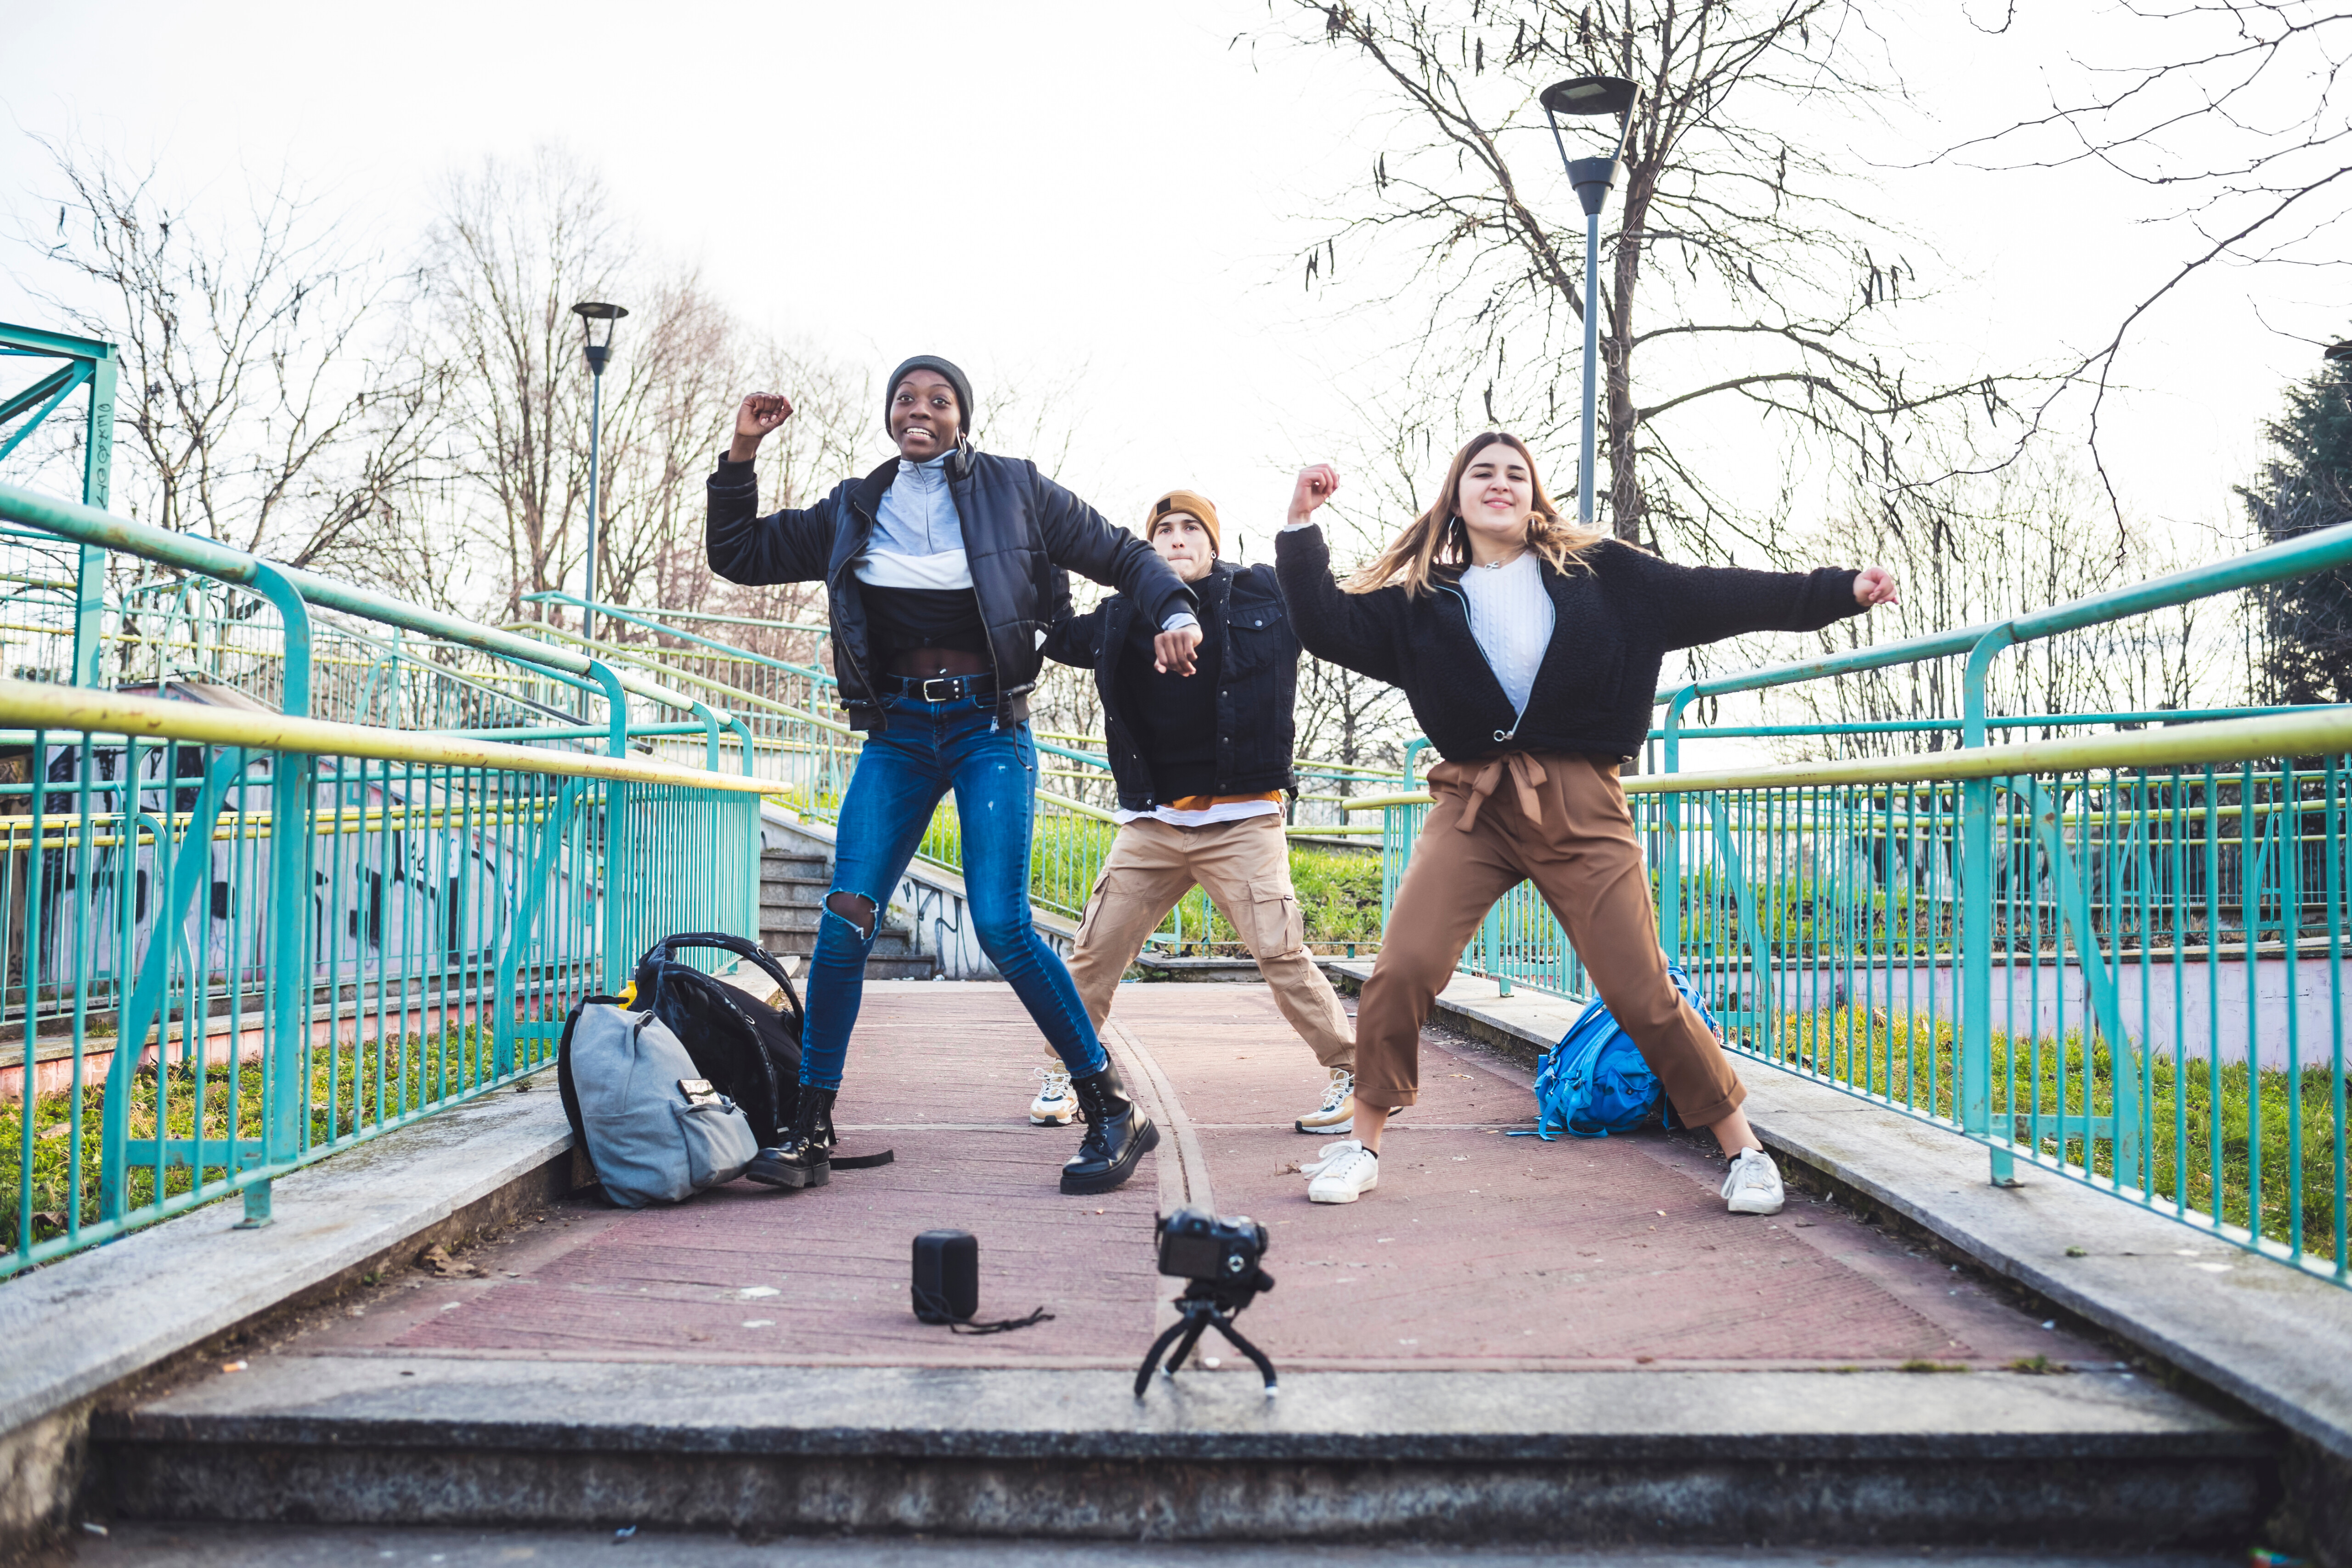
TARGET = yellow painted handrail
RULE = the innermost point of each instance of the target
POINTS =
(2320, 732)
(38, 705)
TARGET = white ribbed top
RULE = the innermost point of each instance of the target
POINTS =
(1511, 617)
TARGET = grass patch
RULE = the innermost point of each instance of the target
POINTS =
(2263, 1150)
(351, 1088)
(1338, 889)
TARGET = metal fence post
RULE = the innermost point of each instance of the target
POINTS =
(1976, 877)
(97, 484)
(754, 843)
(285, 1072)
(1669, 819)
(617, 873)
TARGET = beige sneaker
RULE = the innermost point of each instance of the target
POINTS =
(1056, 1103)
(1337, 1114)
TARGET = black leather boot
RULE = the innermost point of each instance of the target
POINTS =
(1118, 1134)
(805, 1159)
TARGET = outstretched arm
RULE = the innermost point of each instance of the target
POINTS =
(1704, 603)
(1355, 630)
(788, 546)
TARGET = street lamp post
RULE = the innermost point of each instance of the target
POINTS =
(1588, 95)
(597, 321)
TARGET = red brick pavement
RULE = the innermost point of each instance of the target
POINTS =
(1477, 1250)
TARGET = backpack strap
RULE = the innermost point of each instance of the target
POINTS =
(742, 948)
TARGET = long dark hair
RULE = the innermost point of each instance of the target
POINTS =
(1439, 534)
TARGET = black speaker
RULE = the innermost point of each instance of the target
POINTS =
(947, 1276)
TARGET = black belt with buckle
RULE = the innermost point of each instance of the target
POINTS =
(941, 688)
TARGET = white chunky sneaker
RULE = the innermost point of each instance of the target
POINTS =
(1753, 1183)
(1056, 1103)
(1346, 1172)
(1337, 1114)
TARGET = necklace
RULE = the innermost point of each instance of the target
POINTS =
(1498, 566)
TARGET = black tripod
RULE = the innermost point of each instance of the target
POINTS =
(1208, 1304)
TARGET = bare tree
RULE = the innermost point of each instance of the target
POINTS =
(269, 396)
(1985, 550)
(1775, 299)
(514, 248)
(2231, 113)
(831, 431)
(673, 384)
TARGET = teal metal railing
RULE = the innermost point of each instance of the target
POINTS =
(320, 931)
(238, 937)
(2115, 955)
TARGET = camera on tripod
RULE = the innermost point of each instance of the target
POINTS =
(1196, 1245)
(1220, 1257)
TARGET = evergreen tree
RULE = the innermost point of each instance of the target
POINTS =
(2307, 484)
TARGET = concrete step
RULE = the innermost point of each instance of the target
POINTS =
(1570, 1457)
(893, 941)
(890, 960)
(793, 888)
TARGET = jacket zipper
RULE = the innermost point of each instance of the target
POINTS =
(995, 675)
(873, 696)
(1511, 733)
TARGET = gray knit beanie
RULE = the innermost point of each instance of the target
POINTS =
(955, 378)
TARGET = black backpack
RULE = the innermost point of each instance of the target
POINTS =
(751, 1053)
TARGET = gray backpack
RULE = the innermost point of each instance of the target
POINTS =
(651, 1124)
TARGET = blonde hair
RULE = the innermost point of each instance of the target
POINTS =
(1440, 534)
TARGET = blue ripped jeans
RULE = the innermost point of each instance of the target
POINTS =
(927, 750)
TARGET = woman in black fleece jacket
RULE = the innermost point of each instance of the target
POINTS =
(1530, 650)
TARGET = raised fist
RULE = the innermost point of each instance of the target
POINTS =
(1315, 486)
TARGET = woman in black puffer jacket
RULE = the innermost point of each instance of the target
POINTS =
(1530, 650)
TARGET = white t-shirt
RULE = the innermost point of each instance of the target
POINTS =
(1512, 617)
(1223, 811)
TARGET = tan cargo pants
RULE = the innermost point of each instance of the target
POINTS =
(1245, 867)
(1560, 821)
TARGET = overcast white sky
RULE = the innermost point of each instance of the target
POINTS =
(1047, 189)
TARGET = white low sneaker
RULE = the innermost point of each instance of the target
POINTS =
(1056, 1103)
(1753, 1185)
(1337, 1114)
(1346, 1172)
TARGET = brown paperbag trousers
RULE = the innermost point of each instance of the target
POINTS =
(1560, 822)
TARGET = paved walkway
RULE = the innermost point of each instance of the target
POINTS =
(1478, 1251)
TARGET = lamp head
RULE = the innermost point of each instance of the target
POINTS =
(597, 320)
(1591, 96)
(2338, 353)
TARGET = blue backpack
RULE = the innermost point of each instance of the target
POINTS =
(1594, 1082)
